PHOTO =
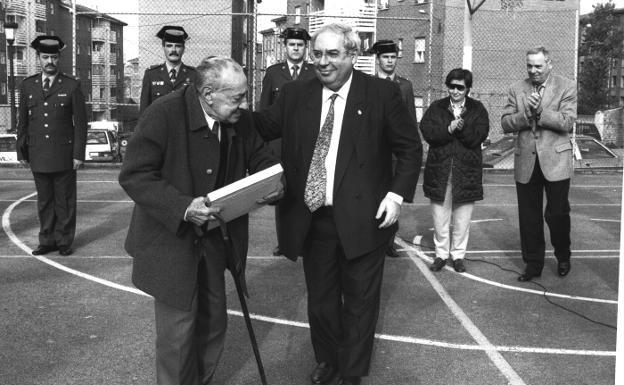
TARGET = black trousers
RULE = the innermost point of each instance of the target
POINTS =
(189, 343)
(56, 206)
(343, 297)
(556, 214)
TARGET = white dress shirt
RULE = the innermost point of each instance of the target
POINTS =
(332, 154)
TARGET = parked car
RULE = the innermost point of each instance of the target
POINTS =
(8, 153)
(102, 146)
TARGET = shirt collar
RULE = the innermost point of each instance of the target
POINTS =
(342, 92)
(290, 64)
(170, 67)
(44, 76)
(383, 75)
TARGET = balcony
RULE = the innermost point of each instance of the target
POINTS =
(365, 64)
(112, 37)
(112, 58)
(362, 17)
(19, 67)
(99, 34)
(20, 37)
(98, 80)
(40, 10)
(16, 7)
(98, 104)
(97, 57)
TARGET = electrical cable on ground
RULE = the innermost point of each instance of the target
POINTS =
(544, 288)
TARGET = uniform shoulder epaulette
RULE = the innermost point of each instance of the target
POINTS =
(154, 66)
(32, 76)
(68, 76)
(189, 67)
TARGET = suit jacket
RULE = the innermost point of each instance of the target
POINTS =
(156, 82)
(550, 140)
(276, 76)
(52, 126)
(376, 124)
(156, 174)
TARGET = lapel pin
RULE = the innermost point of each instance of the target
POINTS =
(359, 112)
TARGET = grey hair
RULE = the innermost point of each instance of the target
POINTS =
(538, 50)
(210, 71)
(350, 39)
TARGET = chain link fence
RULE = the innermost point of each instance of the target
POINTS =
(431, 41)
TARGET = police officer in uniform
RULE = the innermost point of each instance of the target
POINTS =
(386, 52)
(161, 79)
(51, 135)
(294, 68)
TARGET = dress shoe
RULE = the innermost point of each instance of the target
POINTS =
(276, 251)
(43, 249)
(438, 264)
(349, 381)
(392, 252)
(527, 276)
(563, 268)
(458, 265)
(323, 373)
(65, 250)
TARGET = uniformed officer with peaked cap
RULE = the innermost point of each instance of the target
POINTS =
(51, 136)
(161, 79)
(294, 68)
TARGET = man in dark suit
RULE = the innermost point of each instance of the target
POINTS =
(51, 137)
(161, 79)
(294, 68)
(386, 53)
(541, 110)
(339, 132)
(186, 145)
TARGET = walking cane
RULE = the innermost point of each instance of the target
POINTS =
(235, 265)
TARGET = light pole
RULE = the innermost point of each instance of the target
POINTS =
(9, 31)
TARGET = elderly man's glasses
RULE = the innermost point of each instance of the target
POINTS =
(458, 87)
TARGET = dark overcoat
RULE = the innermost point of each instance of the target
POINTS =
(376, 124)
(156, 82)
(459, 151)
(51, 126)
(156, 174)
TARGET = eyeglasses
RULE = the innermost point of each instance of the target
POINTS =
(458, 87)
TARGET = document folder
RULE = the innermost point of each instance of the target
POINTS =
(240, 197)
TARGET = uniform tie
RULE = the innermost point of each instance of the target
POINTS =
(295, 75)
(172, 75)
(46, 85)
(316, 183)
(388, 78)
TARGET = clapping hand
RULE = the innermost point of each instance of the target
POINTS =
(456, 125)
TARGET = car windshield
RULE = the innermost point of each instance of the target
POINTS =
(591, 150)
(7, 144)
(96, 137)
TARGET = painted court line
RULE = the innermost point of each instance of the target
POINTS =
(496, 358)
(6, 225)
(422, 255)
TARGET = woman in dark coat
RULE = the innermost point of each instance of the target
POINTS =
(454, 127)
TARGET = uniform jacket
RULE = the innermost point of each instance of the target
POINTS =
(376, 124)
(52, 126)
(276, 76)
(156, 82)
(407, 92)
(156, 175)
(459, 151)
(550, 141)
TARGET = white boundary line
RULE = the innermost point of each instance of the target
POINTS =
(6, 226)
(496, 358)
(407, 247)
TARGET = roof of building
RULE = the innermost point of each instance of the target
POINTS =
(81, 10)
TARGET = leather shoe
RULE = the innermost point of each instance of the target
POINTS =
(527, 276)
(349, 381)
(392, 253)
(458, 265)
(438, 264)
(323, 373)
(65, 250)
(563, 268)
(43, 249)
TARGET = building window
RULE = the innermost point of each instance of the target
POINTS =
(383, 4)
(419, 50)
(88, 74)
(3, 88)
(113, 92)
(419, 104)
(40, 26)
(77, 49)
(297, 15)
(613, 81)
(51, 8)
(52, 32)
(2, 58)
(400, 46)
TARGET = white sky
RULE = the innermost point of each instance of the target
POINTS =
(130, 10)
